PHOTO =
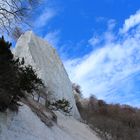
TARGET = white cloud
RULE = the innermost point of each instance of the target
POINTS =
(94, 40)
(107, 36)
(53, 37)
(110, 71)
(111, 24)
(131, 22)
(44, 18)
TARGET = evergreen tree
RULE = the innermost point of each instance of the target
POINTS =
(16, 80)
(7, 74)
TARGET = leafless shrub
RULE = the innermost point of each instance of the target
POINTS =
(77, 88)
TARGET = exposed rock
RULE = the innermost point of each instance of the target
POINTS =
(25, 125)
(46, 61)
(33, 120)
(47, 116)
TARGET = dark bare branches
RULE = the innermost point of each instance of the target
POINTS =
(14, 12)
(16, 33)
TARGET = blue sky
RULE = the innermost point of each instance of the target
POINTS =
(99, 43)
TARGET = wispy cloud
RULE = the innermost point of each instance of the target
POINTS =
(111, 24)
(53, 37)
(45, 17)
(111, 72)
(107, 36)
(94, 40)
(131, 22)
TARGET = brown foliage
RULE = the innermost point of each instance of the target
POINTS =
(112, 121)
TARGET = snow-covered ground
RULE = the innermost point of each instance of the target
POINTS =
(27, 126)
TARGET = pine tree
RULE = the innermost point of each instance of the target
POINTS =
(6, 74)
(16, 79)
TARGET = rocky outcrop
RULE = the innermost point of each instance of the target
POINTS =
(44, 58)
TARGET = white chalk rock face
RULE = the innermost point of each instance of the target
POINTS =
(27, 126)
(44, 58)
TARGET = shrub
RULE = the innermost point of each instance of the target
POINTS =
(63, 105)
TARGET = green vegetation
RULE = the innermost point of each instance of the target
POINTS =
(16, 80)
(63, 105)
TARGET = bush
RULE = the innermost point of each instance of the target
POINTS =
(63, 105)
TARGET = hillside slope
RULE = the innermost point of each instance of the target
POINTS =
(27, 126)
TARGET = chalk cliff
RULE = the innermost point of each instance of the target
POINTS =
(44, 58)
(33, 120)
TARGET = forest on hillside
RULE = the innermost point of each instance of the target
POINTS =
(110, 121)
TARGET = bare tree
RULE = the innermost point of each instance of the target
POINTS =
(14, 12)
(16, 33)
(77, 88)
